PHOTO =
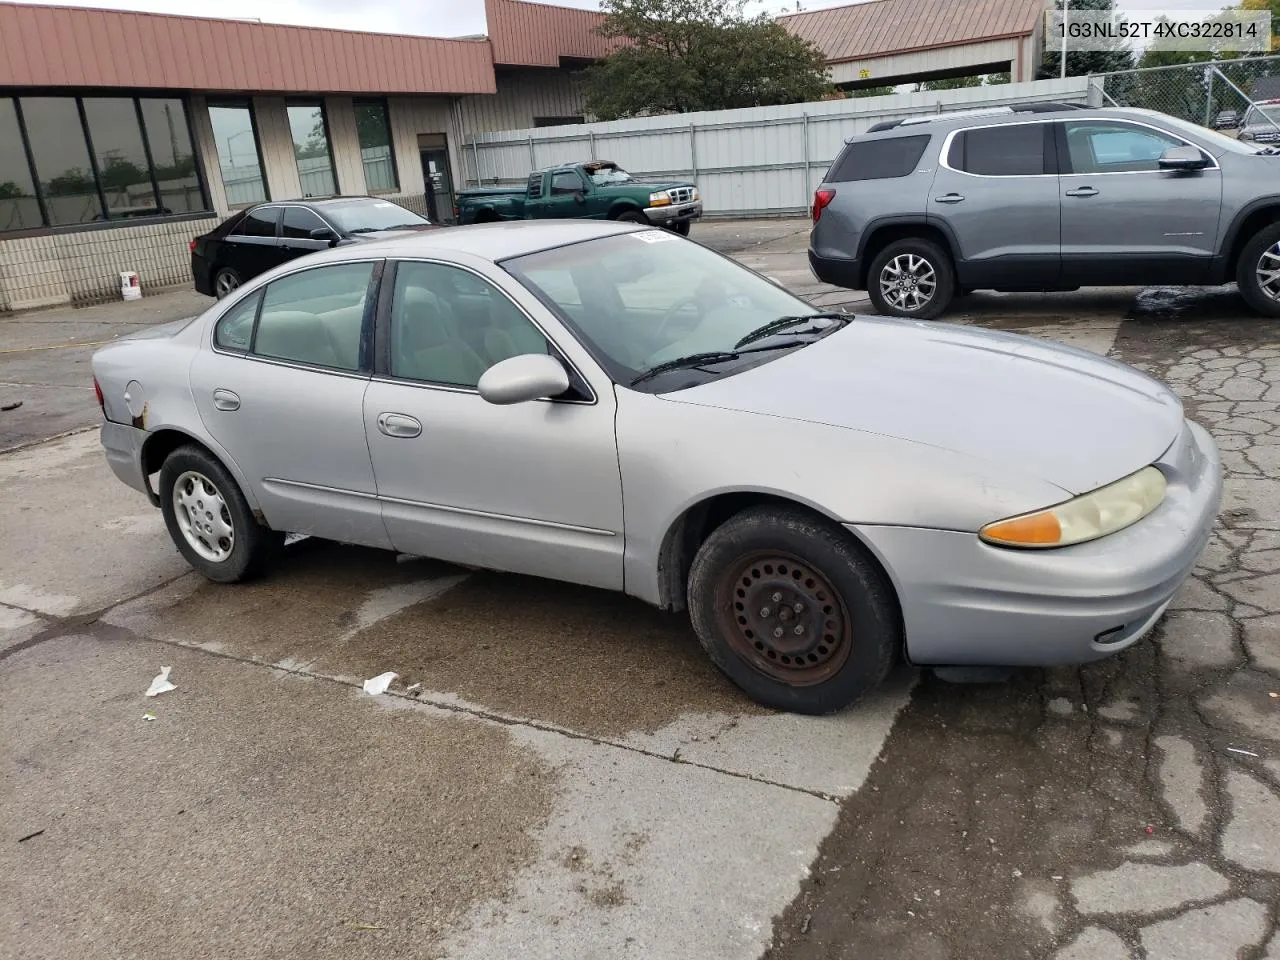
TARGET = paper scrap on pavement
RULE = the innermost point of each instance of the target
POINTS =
(161, 684)
(375, 686)
(148, 715)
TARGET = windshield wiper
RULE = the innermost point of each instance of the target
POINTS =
(365, 230)
(697, 359)
(782, 323)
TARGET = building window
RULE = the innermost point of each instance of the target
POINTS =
(239, 162)
(70, 160)
(311, 150)
(19, 208)
(373, 129)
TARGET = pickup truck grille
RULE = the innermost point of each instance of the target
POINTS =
(1267, 136)
(681, 194)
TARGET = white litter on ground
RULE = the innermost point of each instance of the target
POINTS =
(376, 686)
(161, 683)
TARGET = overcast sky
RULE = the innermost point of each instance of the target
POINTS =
(452, 18)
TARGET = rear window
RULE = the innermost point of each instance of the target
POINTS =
(1010, 151)
(878, 159)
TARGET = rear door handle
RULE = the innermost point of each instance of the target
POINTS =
(948, 198)
(1082, 192)
(399, 425)
(225, 400)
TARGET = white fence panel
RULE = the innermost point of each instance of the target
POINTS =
(758, 161)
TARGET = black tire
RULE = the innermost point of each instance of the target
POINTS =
(252, 546)
(942, 271)
(682, 227)
(758, 555)
(225, 281)
(631, 216)
(1266, 242)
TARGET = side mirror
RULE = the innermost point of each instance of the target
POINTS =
(531, 376)
(1183, 158)
(324, 233)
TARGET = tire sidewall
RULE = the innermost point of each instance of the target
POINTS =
(247, 530)
(942, 269)
(218, 273)
(632, 216)
(1246, 271)
(875, 633)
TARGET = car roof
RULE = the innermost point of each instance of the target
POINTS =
(490, 241)
(993, 116)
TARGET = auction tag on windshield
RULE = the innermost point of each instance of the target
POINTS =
(653, 236)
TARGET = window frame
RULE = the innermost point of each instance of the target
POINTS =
(1052, 147)
(319, 104)
(578, 383)
(383, 102)
(246, 104)
(372, 307)
(1067, 169)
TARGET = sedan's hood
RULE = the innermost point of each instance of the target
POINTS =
(1067, 416)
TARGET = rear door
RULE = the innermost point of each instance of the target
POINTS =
(996, 193)
(253, 247)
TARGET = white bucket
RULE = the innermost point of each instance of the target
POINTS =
(130, 285)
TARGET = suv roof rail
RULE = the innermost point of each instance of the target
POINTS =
(1042, 107)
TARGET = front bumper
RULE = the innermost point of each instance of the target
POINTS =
(966, 603)
(675, 212)
(123, 446)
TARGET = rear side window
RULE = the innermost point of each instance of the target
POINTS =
(535, 185)
(258, 223)
(1013, 151)
(878, 159)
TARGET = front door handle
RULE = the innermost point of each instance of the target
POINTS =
(225, 400)
(1082, 192)
(399, 425)
(948, 198)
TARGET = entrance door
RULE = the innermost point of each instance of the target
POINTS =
(433, 151)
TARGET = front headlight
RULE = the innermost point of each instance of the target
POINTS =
(1245, 135)
(660, 199)
(694, 195)
(1088, 517)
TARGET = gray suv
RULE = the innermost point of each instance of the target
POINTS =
(1046, 197)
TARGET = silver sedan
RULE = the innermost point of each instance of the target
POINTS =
(613, 405)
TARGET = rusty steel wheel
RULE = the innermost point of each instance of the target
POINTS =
(782, 616)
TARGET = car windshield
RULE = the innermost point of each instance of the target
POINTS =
(1215, 140)
(638, 300)
(1263, 115)
(607, 174)
(366, 216)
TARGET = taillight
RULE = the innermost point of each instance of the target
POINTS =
(820, 200)
(192, 246)
(97, 392)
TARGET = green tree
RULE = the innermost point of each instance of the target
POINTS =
(10, 191)
(861, 92)
(70, 183)
(950, 83)
(677, 56)
(1081, 63)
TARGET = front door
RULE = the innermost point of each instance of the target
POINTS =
(296, 227)
(996, 193)
(529, 488)
(282, 393)
(437, 180)
(1124, 220)
(567, 199)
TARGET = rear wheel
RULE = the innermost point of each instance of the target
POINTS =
(210, 520)
(631, 216)
(911, 278)
(225, 281)
(793, 611)
(1258, 272)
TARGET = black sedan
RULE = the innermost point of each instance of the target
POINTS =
(265, 236)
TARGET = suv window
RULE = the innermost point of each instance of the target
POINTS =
(315, 316)
(567, 181)
(1016, 150)
(258, 223)
(235, 327)
(449, 326)
(878, 159)
(298, 222)
(1100, 146)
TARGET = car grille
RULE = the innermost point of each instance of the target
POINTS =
(681, 194)
(1270, 136)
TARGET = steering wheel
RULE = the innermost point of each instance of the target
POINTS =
(672, 312)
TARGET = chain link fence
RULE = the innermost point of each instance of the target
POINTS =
(1222, 94)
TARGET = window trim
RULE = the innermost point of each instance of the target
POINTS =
(391, 143)
(318, 103)
(1050, 157)
(243, 104)
(1064, 153)
(382, 337)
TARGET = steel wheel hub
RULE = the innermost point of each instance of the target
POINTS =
(1269, 271)
(783, 617)
(203, 517)
(908, 281)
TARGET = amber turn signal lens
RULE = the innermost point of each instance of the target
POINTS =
(1037, 530)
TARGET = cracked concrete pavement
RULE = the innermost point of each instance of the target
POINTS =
(557, 772)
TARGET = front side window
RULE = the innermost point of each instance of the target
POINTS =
(1099, 146)
(62, 161)
(1016, 150)
(311, 150)
(19, 208)
(122, 157)
(236, 141)
(298, 223)
(878, 159)
(566, 182)
(373, 130)
(315, 317)
(449, 326)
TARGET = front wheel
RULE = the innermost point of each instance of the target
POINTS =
(682, 227)
(210, 520)
(911, 278)
(631, 216)
(793, 611)
(1258, 272)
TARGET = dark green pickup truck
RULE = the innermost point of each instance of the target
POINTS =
(598, 190)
